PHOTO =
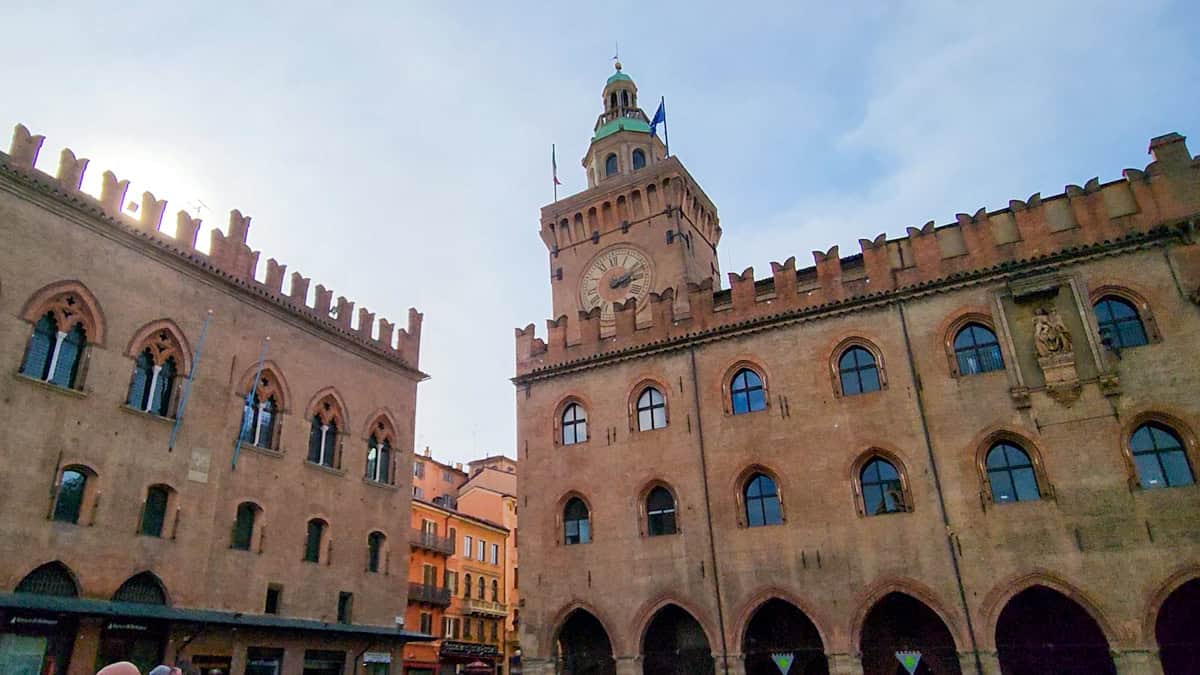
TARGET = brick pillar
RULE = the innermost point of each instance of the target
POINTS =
(845, 664)
(1137, 662)
(87, 646)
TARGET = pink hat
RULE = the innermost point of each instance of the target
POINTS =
(121, 668)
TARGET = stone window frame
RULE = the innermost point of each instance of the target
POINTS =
(860, 463)
(1191, 445)
(165, 339)
(643, 513)
(960, 322)
(1144, 311)
(835, 370)
(170, 512)
(632, 404)
(1029, 447)
(89, 501)
(60, 299)
(381, 422)
(739, 490)
(328, 406)
(560, 409)
(560, 519)
(277, 385)
(727, 385)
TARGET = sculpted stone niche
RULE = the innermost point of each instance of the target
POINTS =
(1055, 355)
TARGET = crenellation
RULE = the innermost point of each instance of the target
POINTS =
(229, 255)
(1092, 215)
(625, 316)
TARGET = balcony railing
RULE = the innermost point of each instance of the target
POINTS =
(431, 542)
(485, 607)
(630, 113)
(429, 594)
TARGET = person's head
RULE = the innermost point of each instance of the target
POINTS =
(160, 670)
(121, 668)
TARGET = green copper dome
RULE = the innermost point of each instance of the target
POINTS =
(621, 124)
(618, 77)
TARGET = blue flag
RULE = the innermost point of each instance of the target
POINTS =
(659, 117)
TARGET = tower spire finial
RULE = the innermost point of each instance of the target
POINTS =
(617, 55)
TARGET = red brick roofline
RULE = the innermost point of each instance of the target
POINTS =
(1166, 193)
(229, 258)
(460, 514)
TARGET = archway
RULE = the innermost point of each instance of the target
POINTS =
(675, 644)
(1176, 632)
(778, 626)
(1043, 631)
(900, 622)
(584, 647)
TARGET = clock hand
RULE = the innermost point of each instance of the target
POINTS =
(617, 282)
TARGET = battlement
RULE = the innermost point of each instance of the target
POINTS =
(229, 257)
(1081, 219)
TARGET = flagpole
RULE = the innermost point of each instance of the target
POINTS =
(187, 385)
(262, 356)
(554, 166)
(666, 136)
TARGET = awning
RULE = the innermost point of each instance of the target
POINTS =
(135, 610)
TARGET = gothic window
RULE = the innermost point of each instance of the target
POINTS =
(1160, 458)
(72, 486)
(574, 424)
(576, 522)
(154, 510)
(747, 393)
(64, 320)
(977, 350)
(761, 498)
(1011, 475)
(858, 372)
(1119, 322)
(639, 160)
(651, 410)
(314, 539)
(323, 431)
(260, 412)
(144, 588)
(882, 491)
(610, 165)
(243, 526)
(157, 359)
(660, 512)
(375, 543)
(52, 578)
(379, 452)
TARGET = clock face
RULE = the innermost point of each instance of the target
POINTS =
(615, 275)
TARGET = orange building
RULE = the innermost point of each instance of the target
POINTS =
(491, 493)
(435, 481)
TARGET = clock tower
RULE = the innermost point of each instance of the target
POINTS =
(643, 224)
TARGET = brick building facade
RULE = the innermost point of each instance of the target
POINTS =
(266, 540)
(976, 443)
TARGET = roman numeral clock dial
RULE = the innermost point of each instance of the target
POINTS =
(613, 276)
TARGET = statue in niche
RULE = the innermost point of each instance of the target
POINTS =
(1050, 334)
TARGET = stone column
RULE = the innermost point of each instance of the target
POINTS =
(845, 664)
(629, 665)
(991, 662)
(1137, 662)
(736, 664)
(966, 663)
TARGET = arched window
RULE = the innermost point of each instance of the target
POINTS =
(624, 98)
(1119, 322)
(243, 526)
(71, 489)
(977, 350)
(651, 410)
(159, 354)
(1011, 475)
(574, 424)
(53, 355)
(154, 511)
(639, 160)
(482, 588)
(660, 512)
(576, 525)
(1160, 457)
(746, 392)
(467, 585)
(375, 542)
(260, 412)
(882, 491)
(322, 441)
(612, 100)
(52, 578)
(495, 590)
(610, 165)
(144, 588)
(313, 540)
(858, 371)
(762, 501)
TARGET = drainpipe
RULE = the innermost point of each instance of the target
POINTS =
(937, 485)
(712, 544)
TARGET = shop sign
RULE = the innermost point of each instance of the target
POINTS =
(113, 625)
(377, 657)
(32, 621)
(469, 649)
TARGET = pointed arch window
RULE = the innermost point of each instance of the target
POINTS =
(651, 410)
(323, 432)
(72, 487)
(1120, 324)
(761, 498)
(858, 371)
(144, 588)
(882, 489)
(660, 512)
(375, 542)
(1160, 458)
(157, 359)
(977, 350)
(1011, 474)
(747, 393)
(639, 160)
(52, 355)
(574, 424)
(577, 526)
(52, 578)
(243, 526)
(379, 452)
(610, 165)
(260, 412)
(154, 511)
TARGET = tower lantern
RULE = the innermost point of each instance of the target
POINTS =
(621, 139)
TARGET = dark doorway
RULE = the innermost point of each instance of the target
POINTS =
(780, 627)
(675, 644)
(584, 647)
(900, 622)
(1043, 631)
(1177, 630)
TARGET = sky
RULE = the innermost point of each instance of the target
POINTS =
(398, 152)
